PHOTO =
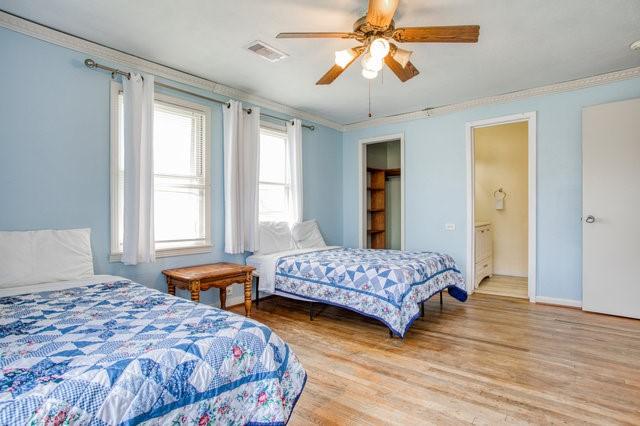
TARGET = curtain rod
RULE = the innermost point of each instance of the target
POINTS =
(90, 63)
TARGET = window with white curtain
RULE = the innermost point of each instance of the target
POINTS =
(182, 196)
(274, 188)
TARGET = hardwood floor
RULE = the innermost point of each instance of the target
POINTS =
(490, 360)
(502, 285)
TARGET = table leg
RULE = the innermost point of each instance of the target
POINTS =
(223, 298)
(247, 294)
(171, 287)
(194, 287)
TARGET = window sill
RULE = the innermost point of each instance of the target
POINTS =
(180, 251)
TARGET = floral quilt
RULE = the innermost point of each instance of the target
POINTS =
(388, 285)
(122, 354)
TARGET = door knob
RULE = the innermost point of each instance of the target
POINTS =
(590, 219)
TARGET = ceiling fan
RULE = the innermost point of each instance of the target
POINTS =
(374, 31)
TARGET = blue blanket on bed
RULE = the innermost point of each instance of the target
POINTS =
(387, 285)
(121, 353)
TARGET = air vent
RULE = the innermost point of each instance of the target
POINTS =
(265, 51)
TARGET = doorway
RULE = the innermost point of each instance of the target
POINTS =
(501, 206)
(382, 193)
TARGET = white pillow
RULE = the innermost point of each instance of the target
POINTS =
(274, 237)
(32, 257)
(307, 235)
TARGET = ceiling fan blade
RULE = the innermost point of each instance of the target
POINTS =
(316, 35)
(455, 34)
(403, 73)
(335, 71)
(380, 13)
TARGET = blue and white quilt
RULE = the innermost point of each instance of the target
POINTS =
(122, 354)
(387, 285)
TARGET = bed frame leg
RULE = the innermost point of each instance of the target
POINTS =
(257, 292)
(440, 299)
(422, 309)
(310, 311)
(390, 334)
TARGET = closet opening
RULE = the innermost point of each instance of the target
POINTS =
(382, 199)
(500, 200)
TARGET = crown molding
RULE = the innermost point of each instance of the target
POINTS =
(566, 86)
(50, 35)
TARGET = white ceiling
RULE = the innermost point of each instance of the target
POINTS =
(523, 44)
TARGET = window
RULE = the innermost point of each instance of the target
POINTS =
(182, 196)
(274, 188)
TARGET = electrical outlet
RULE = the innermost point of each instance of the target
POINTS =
(450, 226)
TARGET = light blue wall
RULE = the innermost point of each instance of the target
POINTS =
(435, 173)
(54, 166)
(54, 156)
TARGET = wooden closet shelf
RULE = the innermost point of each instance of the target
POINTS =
(376, 208)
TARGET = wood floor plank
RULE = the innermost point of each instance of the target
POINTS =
(490, 360)
(504, 285)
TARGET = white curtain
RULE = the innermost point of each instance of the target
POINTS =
(241, 167)
(139, 240)
(250, 150)
(294, 133)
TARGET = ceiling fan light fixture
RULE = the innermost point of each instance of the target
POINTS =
(369, 74)
(371, 63)
(402, 56)
(344, 57)
(379, 48)
(376, 32)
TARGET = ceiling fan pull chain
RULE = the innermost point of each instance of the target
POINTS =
(370, 115)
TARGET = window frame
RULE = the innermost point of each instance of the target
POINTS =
(115, 253)
(279, 131)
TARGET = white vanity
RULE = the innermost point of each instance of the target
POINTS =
(484, 251)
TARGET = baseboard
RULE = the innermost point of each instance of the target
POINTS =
(235, 301)
(239, 300)
(559, 302)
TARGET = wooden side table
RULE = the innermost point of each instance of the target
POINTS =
(203, 277)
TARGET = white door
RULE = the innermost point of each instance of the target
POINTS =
(611, 208)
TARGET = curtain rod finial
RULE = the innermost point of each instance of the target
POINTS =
(90, 63)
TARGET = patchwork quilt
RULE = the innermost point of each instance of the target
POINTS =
(387, 285)
(122, 354)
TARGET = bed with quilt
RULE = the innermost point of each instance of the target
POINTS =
(119, 353)
(388, 285)
(84, 349)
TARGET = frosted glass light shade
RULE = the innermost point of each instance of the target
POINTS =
(343, 57)
(371, 63)
(379, 48)
(402, 56)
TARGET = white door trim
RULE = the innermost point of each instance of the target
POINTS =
(362, 185)
(529, 117)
